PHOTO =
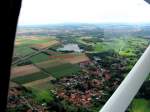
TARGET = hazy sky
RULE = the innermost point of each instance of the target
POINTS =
(83, 11)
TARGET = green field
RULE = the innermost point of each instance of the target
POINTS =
(42, 95)
(140, 105)
(125, 46)
(30, 78)
(39, 58)
(100, 47)
(23, 50)
(24, 47)
(120, 44)
(63, 70)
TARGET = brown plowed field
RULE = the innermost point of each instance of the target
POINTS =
(71, 58)
(23, 70)
(77, 59)
(44, 45)
(67, 58)
(50, 63)
(38, 82)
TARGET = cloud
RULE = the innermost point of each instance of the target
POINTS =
(85, 11)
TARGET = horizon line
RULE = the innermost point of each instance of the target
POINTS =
(75, 23)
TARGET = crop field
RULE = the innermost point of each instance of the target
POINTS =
(63, 70)
(77, 59)
(45, 85)
(30, 41)
(39, 58)
(44, 45)
(23, 45)
(23, 70)
(29, 78)
(72, 58)
(60, 59)
(50, 63)
(42, 83)
(22, 51)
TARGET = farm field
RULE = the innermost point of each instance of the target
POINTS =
(57, 64)
(77, 59)
(51, 63)
(45, 85)
(42, 83)
(72, 58)
(44, 45)
(22, 51)
(39, 58)
(63, 70)
(23, 70)
(23, 45)
(29, 78)
(30, 41)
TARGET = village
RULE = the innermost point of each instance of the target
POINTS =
(91, 85)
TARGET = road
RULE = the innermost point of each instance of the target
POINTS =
(29, 56)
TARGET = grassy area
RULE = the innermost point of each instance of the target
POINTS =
(42, 95)
(30, 78)
(81, 40)
(39, 58)
(140, 105)
(63, 70)
(117, 45)
(125, 46)
(100, 47)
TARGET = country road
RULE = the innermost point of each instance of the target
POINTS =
(27, 57)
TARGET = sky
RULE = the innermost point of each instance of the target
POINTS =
(37, 12)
